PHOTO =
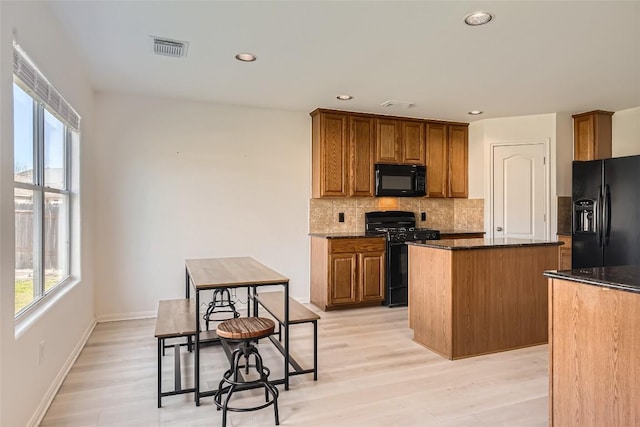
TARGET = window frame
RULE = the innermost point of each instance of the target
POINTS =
(39, 190)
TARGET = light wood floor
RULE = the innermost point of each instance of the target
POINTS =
(370, 374)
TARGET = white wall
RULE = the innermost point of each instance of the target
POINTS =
(476, 160)
(26, 386)
(626, 132)
(512, 129)
(564, 153)
(178, 179)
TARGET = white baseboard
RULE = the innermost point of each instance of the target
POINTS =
(38, 415)
(126, 316)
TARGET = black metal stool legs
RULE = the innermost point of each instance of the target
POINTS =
(220, 303)
(234, 383)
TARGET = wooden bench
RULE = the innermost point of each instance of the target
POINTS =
(273, 303)
(176, 318)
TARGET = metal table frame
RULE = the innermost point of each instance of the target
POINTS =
(213, 273)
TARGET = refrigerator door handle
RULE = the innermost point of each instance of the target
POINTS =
(598, 209)
(607, 210)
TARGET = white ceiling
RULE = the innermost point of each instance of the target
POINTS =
(534, 57)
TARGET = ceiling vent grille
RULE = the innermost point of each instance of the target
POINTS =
(168, 47)
(399, 104)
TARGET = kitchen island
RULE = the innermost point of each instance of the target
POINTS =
(475, 296)
(594, 346)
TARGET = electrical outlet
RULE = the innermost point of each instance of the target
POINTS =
(423, 216)
(41, 352)
(341, 217)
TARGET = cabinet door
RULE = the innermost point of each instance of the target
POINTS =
(388, 141)
(333, 155)
(342, 279)
(437, 160)
(371, 276)
(592, 135)
(458, 161)
(361, 147)
(583, 144)
(413, 143)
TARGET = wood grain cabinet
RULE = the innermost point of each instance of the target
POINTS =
(564, 262)
(400, 141)
(347, 272)
(592, 135)
(342, 154)
(346, 145)
(593, 356)
(447, 160)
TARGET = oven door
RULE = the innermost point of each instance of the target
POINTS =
(397, 291)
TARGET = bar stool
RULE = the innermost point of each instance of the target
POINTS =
(244, 330)
(220, 303)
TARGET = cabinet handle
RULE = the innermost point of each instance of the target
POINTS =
(498, 228)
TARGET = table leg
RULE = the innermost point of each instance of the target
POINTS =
(255, 301)
(286, 336)
(186, 283)
(197, 351)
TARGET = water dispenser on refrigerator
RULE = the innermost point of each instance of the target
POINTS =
(584, 216)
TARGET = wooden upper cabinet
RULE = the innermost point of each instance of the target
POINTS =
(592, 135)
(437, 160)
(413, 142)
(447, 160)
(329, 155)
(400, 141)
(458, 137)
(345, 147)
(388, 141)
(361, 149)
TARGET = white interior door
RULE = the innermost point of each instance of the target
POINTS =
(519, 191)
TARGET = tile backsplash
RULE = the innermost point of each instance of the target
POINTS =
(564, 214)
(441, 214)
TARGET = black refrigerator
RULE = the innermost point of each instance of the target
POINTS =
(606, 212)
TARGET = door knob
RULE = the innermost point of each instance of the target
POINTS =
(498, 228)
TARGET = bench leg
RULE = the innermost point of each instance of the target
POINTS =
(315, 351)
(177, 374)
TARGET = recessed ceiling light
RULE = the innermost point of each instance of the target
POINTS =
(344, 97)
(246, 57)
(477, 18)
(475, 112)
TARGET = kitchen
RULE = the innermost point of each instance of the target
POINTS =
(206, 185)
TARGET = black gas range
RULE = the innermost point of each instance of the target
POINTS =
(398, 227)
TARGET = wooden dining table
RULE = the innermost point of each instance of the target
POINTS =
(238, 272)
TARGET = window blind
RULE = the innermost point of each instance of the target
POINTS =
(37, 85)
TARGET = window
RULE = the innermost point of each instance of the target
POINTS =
(42, 182)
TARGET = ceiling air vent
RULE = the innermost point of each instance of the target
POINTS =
(399, 104)
(168, 47)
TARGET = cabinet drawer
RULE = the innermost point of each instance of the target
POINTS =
(364, 244)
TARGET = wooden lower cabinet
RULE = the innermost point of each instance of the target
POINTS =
(462, 235)
(347, 272)
(564, 262)
(594, 370)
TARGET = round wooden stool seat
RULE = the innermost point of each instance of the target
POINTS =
(245, 328)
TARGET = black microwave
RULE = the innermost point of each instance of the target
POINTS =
(400, 180)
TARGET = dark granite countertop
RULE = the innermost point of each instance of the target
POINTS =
(623, 277)
(486, 243)
(461, 232)
(346, 235)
